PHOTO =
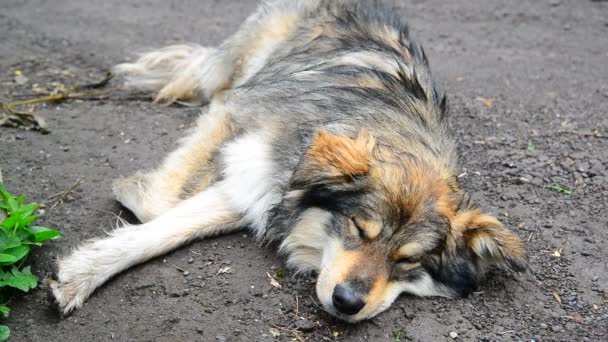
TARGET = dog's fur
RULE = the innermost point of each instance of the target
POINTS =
(325, 134)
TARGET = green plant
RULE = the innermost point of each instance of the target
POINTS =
(17, 237)
(397, 335)
(559, 188)
(531, 147)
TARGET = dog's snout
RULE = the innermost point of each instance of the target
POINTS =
(346, 301)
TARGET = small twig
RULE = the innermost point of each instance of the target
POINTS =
(594, 134)
(9, 116)
(297, 306)
(506, 332)
(61, 196)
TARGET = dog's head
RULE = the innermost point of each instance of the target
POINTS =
(376, 224)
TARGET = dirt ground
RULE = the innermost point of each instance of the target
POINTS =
(528, 87)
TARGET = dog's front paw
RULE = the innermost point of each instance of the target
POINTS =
(66, 296)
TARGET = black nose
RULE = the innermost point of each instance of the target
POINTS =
(346, 301)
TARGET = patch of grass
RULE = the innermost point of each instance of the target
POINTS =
(397, 335)
(281, 273)
(17, 238)
(559, 188)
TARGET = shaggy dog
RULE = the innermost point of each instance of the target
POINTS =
(324, 134)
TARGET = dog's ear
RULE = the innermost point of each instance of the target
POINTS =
(334, 159)
(489, 241)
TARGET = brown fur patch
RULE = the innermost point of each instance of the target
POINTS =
(336, 158)
(377, 294)
(409, 250)
(489, 239)
(371, 228)
(414, 187)
(344, 265)
(189, 171)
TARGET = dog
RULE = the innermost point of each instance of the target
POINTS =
(325, 135)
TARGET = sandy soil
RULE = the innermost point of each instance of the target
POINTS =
(543, 65)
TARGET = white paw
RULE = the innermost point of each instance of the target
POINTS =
(69, 290)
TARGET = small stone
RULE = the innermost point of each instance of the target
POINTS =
(453, 335)
(21, 80)
(199, 330)
(190, 260)
(186, 273)
(305, 325)
(221, 338)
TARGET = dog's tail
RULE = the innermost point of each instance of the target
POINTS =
(188, 72)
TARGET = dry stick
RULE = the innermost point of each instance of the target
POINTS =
(585, 134)
(62, 195)
(29, 120)
(58, 97)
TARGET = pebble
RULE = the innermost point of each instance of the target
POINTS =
(186, 273)
(190, 260)
(453, 335)
(305, 325)
(199, 330)
(21, 80)
(221, 338)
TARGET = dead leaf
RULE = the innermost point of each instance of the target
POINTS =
(224, 270)
(275, 332)
(273, 281)
(557, 298)
(489, 103)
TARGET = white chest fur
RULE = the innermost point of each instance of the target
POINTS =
(250, 179)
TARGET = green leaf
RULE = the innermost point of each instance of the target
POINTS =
(4, 310)
(25, 210)
(18, 252)
(21, 199)
(10, 222)
(5, 332)
(41, 234)
(7, 259)
(559, 188)
(531, 147)
(22, 280)
(24, 222)
(7, 240)
(3, 191)
(13, 205)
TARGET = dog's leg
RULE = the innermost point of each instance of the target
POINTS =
(186, 171)
(193, 73)
(179, 72)
(95, 262)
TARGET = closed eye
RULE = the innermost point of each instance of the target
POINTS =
(408, 260)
